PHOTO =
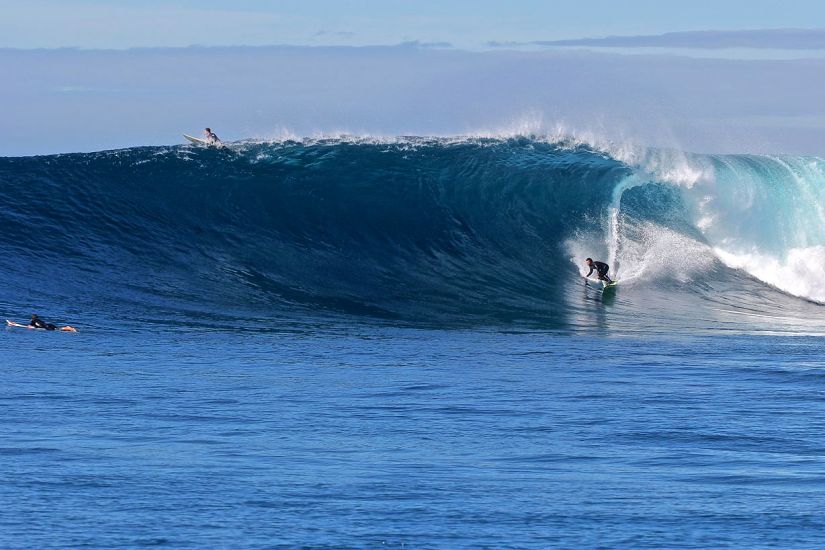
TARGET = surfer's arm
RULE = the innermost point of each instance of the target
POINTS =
(591, 271)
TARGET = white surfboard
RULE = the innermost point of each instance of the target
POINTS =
(599, 284)
(196, 140)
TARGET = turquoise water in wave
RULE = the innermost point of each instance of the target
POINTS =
(351, 437)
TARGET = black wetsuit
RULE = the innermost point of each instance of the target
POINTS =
(212, 138)
(37, 322)
(601, 268)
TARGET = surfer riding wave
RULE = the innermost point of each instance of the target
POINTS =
(600, 268)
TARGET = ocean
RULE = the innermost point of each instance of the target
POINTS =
(365, 343)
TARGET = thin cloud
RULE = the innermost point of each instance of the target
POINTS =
(426, 45)
(337, 34)
(782, 39)
(508, 44)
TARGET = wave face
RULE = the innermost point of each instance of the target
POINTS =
(430, 232)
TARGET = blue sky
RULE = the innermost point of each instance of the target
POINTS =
(463, 23)
(132, 81)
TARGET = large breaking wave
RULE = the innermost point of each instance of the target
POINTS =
(415, 231)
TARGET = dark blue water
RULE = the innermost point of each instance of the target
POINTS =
(389, 345)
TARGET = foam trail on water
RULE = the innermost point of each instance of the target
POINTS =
(613, 226)
(650, 166)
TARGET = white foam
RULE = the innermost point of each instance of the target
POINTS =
(656, 253)
(800, 273)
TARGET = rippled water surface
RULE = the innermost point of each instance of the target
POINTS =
(381, 437)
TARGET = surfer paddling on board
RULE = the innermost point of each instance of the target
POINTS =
(600, 268)
(37, 322)
(211, 137)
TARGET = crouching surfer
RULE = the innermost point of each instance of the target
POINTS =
(600, 268)
(211, 137)
(37, 322)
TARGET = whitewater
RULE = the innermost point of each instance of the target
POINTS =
(355, 342)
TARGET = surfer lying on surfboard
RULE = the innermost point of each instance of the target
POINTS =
(37, 322)
(600, 268)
